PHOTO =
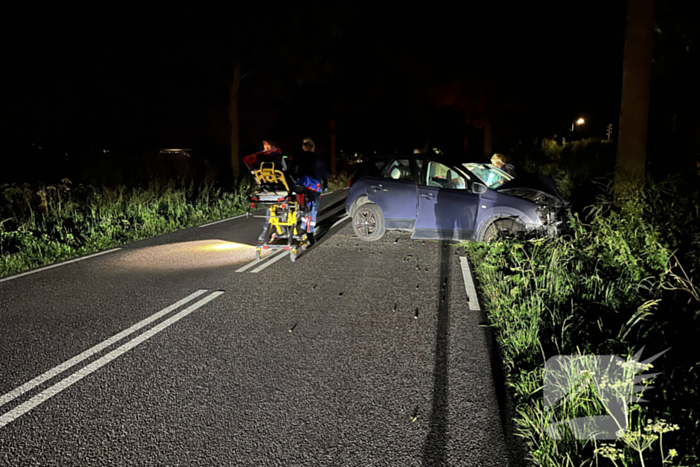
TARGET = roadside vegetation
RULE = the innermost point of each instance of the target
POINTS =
(41, 224)
(626, 276)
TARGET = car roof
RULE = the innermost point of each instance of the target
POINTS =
(434, 157)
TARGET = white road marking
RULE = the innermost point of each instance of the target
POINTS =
(222, 220)
(469, 285)
(286, 252)
(254, 262)
(93, 350)
(59, 264)
(97, 364)
(336, 191)
(340, 220)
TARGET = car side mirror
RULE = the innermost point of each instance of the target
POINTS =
(478, 188)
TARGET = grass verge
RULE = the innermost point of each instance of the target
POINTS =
(41, 225)
(624, 278)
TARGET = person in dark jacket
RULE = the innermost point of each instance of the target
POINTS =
(311, 165)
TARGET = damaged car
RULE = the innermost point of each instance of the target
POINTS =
(437, 198)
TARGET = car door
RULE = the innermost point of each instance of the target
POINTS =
(446, 207)
(394, 191)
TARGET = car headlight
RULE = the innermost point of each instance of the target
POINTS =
(546, 214)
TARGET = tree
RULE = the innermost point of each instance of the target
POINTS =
(278, 51)
(634, 109)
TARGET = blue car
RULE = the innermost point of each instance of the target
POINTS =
(436, 198)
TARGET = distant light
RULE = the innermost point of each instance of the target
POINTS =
(105, 150)
(580, 121)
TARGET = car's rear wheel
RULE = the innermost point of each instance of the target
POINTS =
(368, 222)
(502, 228)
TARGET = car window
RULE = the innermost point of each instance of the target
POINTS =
(441, 176)
(399, 169)
(489, 174)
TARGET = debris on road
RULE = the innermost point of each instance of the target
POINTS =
(416, 315)
(292, 328)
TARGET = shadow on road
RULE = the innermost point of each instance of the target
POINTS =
(435, 445)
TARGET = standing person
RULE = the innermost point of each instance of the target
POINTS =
(499, 160)
(319, 164)
(312, 167)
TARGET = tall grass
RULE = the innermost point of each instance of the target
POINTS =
(626, 276)
(44, 224)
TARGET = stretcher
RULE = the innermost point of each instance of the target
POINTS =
(286, 200)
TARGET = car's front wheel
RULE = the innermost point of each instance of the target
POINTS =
(368, 222)
(502, 228)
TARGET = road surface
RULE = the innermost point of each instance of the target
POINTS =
(180, 350)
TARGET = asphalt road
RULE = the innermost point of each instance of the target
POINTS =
(357, 354)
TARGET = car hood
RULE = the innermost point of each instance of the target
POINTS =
(524, 184)
(543, 183)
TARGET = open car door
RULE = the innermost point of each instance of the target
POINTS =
(447, 207)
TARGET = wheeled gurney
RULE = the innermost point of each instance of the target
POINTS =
(287, 202)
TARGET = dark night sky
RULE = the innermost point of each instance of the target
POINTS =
(99, 76)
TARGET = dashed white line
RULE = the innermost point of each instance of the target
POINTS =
(258, 269)
(93, 350)
(222, 220)
(469, 285)
(253, 263)
(59, 264)
(97, 364)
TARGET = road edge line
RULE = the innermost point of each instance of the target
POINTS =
(469, 284)
(222, 220)
(44, 268)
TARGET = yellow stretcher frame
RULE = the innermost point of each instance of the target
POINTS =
(272, 175)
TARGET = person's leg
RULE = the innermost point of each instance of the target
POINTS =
(312, 216)
(266, 227)
(308, 220)
(313, 205)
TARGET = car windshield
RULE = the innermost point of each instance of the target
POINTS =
(489, 174)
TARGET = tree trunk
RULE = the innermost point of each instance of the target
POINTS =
(233, 118)
(487, 139)
(634, 110)
(333, 142)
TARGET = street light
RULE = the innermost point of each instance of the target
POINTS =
(580, 121)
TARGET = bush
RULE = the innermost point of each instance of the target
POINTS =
(338, 181)
(576, 166)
